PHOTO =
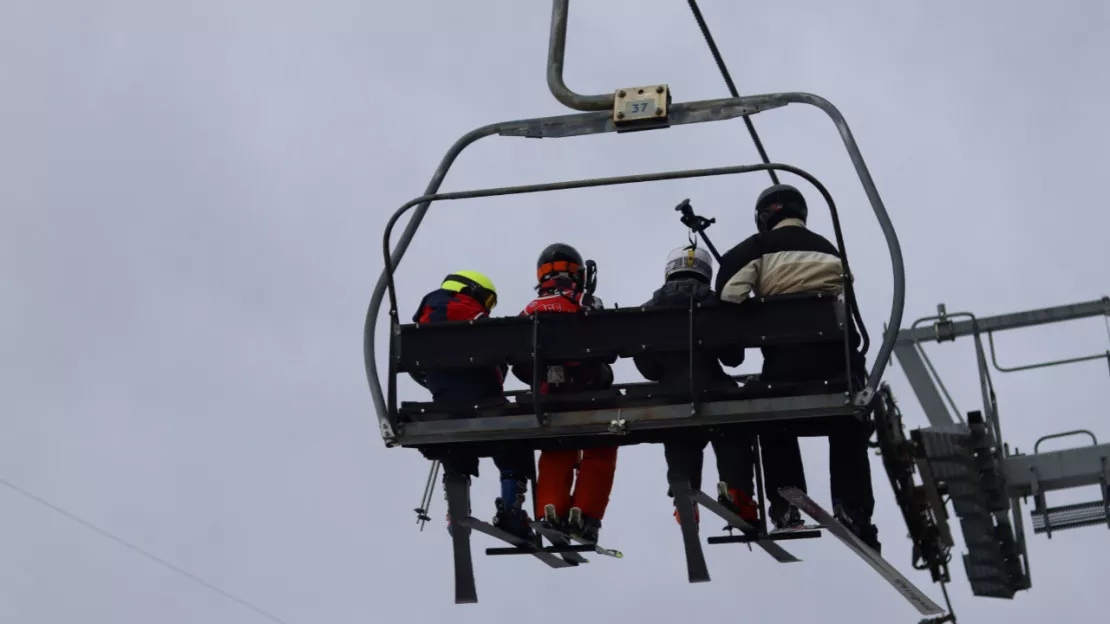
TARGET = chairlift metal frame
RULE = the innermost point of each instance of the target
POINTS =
(613, 113)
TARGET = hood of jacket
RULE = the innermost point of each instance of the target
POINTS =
(679, 291)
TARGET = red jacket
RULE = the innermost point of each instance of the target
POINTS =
(554, 298)
(458, 384)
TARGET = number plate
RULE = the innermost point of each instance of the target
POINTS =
(639, 103)
(636, 109)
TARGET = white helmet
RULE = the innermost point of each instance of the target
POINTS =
(689, 260)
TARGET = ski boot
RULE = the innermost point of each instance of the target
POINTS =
(738, 503)
(511, 516)
(786, 518)
(469, 511)
(859, 524)
(552, 518)
(582, 526)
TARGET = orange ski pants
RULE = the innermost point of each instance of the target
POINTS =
(555, 481)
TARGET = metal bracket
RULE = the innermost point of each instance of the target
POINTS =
(942, 327)
(1039, 505)
(618, 426)
(864, 397)
(636, 107)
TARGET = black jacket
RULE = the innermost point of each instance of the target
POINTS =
(673, 370)
(786, 260)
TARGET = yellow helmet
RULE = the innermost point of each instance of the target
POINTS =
(474, 284)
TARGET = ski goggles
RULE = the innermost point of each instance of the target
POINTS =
(559, 266)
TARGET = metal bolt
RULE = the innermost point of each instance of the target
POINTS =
(659, 111)
(659, 89)
(640, 91)
(620, 115)
(620, 93)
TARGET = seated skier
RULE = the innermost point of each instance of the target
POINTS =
(785, 257)
(687, 277)
(464, 296)
(562, 289)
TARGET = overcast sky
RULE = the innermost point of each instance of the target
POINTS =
(193, 197)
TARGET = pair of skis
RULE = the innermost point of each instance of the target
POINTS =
(569, 546)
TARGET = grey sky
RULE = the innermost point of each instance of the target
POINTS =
(193, 196)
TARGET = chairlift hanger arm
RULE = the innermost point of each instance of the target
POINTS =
(556, 50)
(556, 53)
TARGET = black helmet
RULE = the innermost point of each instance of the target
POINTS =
(559, 259)
(779, 202)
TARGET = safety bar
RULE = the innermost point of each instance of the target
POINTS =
(390, 265)
(1048, 364)
(1064, 434)
(600, 122)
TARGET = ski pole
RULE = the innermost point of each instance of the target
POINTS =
(426, 500)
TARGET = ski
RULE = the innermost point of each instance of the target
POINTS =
(696, 569)
(771, 548)
(559, 537)
(550, 559)
(911, 593)
(458, 505)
